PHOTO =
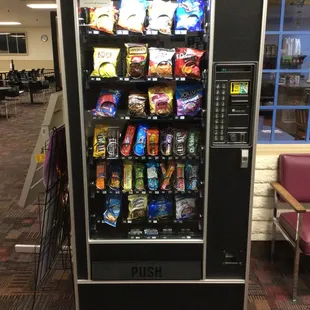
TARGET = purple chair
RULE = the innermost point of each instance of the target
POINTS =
(293, 188)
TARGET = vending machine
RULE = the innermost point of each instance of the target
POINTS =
(161, 101)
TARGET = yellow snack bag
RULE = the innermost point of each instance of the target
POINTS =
(160, 99)
(105, 62)
(127, 176)
(100, 141)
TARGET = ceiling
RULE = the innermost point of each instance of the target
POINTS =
(17, 11)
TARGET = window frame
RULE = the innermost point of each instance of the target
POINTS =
(281, 33)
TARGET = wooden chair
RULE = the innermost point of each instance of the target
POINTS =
(294, 188)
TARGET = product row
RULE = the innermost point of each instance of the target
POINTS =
(148, 141)
(158, 101)
(142, 61)
(138, 15)
(153, 176)
(142, 207)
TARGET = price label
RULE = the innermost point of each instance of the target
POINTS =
(98, 79)
(121, 79)
(144, 192)
(95, 32)
(126, 79)
(154, 79)
(127, 117)
(182, 79)
(156, 192)
(95, 3)
(154, 117)
(182, 117)
(149, 79)
(129, 221)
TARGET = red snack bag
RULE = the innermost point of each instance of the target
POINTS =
(187, 62)
(152, 142)
(127, 143)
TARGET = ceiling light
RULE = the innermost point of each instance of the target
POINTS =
(9, 23)
(42, 5)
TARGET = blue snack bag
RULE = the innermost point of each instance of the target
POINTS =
(189, 98)
(152, 175)
(189, 15)
(159, 208)
(139, 148)
(113, 209)
(192, 179)
(107, 103)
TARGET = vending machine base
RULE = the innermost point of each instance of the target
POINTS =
(163, 296)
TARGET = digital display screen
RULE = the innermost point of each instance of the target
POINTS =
(239, 88)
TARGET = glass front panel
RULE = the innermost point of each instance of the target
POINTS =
(294, 89)
(264, 125)
(295, 52)
(271, 51)
(273, 15)
(291, 125)
(297, 15)
(144, 99)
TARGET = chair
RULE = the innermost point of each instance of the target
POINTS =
(294, 188)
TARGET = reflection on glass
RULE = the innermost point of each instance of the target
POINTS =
(291, 125)
(296, 52)
(267, 89)
(294, 89)
(271, 51)
(273, 16)
(12, 40)
(297, 15)
(264, 125)
(21, 43)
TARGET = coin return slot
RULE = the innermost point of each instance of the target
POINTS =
(230, 259)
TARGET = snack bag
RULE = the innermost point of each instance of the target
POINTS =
(137, 104)
(115, 178)
(103, 18)
(152, 176)
(113, 142)
(139, 148)
(189, 98)
(127, 143)
(193, 143)
(185, 207)
(166, 142)
(167, 175)
(179, 142)
(187, 62)
(160, 99)
(189, 15)
(136, 60)
(100, 141)
(137, 207)
(101, 175)
(160, 63)
(180, 178)
(127, 177)
(132, 15)
(192, 180)
(161, 16)
(113, 209)
(152, 142)
(159, 208)
(107, 103)
(139, 177)
(105, 62)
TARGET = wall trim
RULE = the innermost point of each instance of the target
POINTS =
(277, 149)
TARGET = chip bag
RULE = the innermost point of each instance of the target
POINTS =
(100, 141)
(137, 104)
(160, 99)
(160, 64)
(161, 16)
(159, 208)
(189, 15)
(137, 207)
(103, 18)
(189, 98)
(136, 60)
(187, 62)
(105, 62)
(113, 209)
(101, 175)
(132, 15)
(185, 207)
(107, 103)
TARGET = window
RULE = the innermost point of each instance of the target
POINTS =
(285, 95)
(13, 43)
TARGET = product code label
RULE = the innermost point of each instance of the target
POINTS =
(94, 3)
